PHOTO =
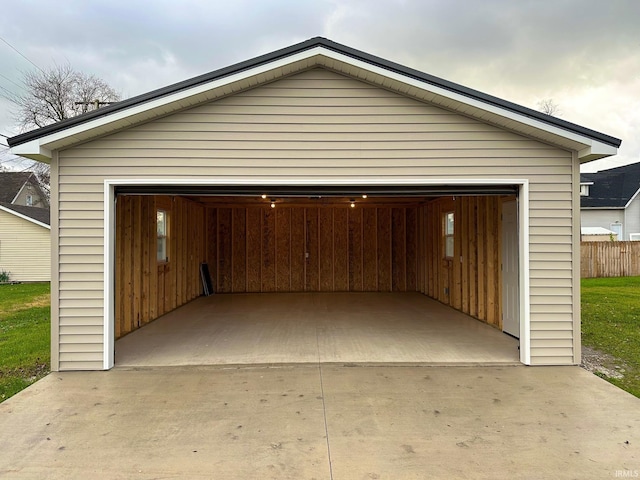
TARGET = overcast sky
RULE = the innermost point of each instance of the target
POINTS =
(583, 54)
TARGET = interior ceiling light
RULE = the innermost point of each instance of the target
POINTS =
(353, 203)
(273, 203)
(364, 195)
(263, 196)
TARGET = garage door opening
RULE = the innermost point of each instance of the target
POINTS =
(374, 275)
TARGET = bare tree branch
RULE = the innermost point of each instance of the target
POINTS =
(51, 95)
(43, 174)
(549, 107)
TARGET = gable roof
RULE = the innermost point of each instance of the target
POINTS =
(316, 52)
(11, 183)
(613, 188)
(39, 216)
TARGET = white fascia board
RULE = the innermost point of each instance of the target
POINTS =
(24, 217)
(19, 192)
(595, 151)
(34, 149)
(632, 198)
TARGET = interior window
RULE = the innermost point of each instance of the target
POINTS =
(162, 235)
(448, 234)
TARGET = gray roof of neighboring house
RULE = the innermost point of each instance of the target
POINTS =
(612, 188)
(11, 183)
(300, 47)
(36, 213)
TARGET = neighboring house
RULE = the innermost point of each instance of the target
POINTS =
(471, 200)
(609, 199)
(25, 244)
(22, 188)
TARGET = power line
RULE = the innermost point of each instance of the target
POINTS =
(11, 81)
(8, 99)
(9, 92)
(12, 96)
(21, 54)
(12, 100)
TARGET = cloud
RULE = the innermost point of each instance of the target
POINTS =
(581, 53)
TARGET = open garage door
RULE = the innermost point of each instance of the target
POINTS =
(444, 242)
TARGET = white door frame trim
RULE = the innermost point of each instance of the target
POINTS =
(109, 233)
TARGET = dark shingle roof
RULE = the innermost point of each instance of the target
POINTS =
(39, 214)
(301, 47)
(11, 183)
(611, 188)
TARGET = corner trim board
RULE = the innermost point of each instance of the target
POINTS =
(523, 258)
(109, 276)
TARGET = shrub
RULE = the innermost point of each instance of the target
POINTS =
(4, 276)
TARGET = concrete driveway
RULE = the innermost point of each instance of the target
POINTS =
(321, 422)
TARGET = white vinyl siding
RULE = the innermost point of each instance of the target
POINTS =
(25, 249)
(632, 218)
(316, 123)
(602, 218)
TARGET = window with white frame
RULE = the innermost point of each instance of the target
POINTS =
(29, 202)
(448, 230)
(584, 190)
(162, 230)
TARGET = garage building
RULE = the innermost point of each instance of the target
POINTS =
(316, 173)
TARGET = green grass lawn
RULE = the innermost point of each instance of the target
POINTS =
(24, 336)
(611, 324)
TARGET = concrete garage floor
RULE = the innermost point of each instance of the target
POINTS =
(321, 422)
(379, 328)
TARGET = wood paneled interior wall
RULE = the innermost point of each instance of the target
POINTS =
(471, 280)
(312, 249)
(146, 288)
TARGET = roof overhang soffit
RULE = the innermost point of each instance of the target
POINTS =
(41, 148)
